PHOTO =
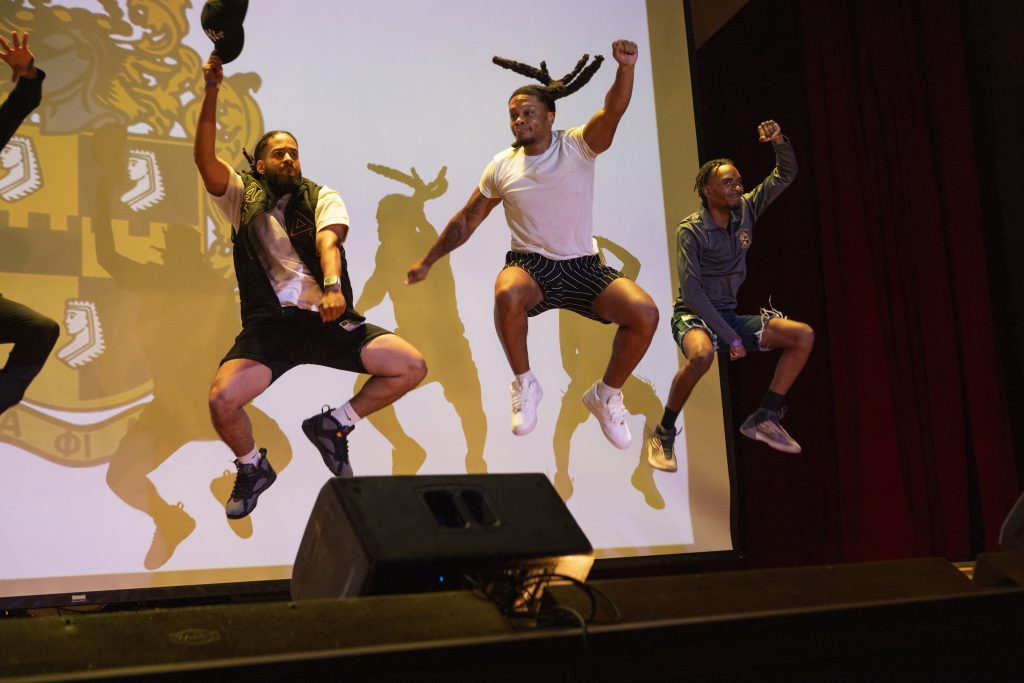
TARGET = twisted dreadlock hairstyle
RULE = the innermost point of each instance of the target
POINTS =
(261, 148)
(705, 172)
(551, 90)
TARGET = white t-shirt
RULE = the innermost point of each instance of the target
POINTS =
(548, 198)
(288, 275)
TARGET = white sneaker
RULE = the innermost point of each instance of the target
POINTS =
(524, 406)
(611, 415)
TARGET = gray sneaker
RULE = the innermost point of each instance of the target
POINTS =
(660, 448)
(764, 426)
(250, 482)
(330, 438)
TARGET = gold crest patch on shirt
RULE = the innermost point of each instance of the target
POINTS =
(743, 237)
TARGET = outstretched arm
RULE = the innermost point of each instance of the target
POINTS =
(600, 129)
(215, 171)
(455, 234)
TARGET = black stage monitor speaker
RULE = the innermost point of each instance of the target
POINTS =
(417, 534)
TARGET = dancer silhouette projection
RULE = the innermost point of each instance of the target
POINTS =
(181, 292)
(584, 345)
(420, 313)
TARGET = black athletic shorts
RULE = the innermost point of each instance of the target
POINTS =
(572, 284)
(299, 337)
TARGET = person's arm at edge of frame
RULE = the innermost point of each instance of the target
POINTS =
(28, 89)
(214, 171)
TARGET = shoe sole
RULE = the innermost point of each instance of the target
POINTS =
(756, 436)
(661, 466)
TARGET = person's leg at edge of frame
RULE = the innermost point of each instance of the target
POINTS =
(515, 293)
(236, 384)
(625, 304)
(34, 336)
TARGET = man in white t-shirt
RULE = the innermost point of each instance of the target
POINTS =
(287, 235)
(546, 183)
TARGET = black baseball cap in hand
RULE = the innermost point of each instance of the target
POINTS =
(222, 23)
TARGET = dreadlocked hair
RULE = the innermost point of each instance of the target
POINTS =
(705, 172)
(261, 147)
(551, 90)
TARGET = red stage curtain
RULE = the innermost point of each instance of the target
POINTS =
(879, 245)
(922, 432)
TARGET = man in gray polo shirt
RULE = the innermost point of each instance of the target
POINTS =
(713, 244)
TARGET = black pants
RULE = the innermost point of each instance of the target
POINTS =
(34, 336)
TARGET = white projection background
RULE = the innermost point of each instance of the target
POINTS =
(110, 460)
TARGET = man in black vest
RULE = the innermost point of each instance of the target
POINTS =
(32, 333)
(287, 235)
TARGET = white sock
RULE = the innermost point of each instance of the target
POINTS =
(526, 378)
(250, 458)
(345, 415)
(605, 392)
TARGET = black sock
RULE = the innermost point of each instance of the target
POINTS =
(772, 401)
(668, 420)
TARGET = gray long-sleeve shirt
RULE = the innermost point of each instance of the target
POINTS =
(713, 260)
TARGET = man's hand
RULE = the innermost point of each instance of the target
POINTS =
(737, 351)
(417, 272)
(769, 131)
(19, 57)
(333, 304)
(213, 71)
(624, 52)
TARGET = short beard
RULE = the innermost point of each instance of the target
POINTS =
(522, 143)
(281, 184)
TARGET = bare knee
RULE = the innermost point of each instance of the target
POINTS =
(699, 362)
(647, 316)
(415, 370)
(804, 337)
(509, 296)
(222, 404)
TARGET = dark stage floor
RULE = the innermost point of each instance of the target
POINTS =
(920, 619)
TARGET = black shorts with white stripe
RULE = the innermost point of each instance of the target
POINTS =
(572, 284)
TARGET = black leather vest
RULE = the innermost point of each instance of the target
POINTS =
(258, 299)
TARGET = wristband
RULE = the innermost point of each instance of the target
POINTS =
(736, 342)
(212, 84)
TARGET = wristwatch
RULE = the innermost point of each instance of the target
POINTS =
(332, 281)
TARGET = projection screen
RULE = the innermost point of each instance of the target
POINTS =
(113, 476)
